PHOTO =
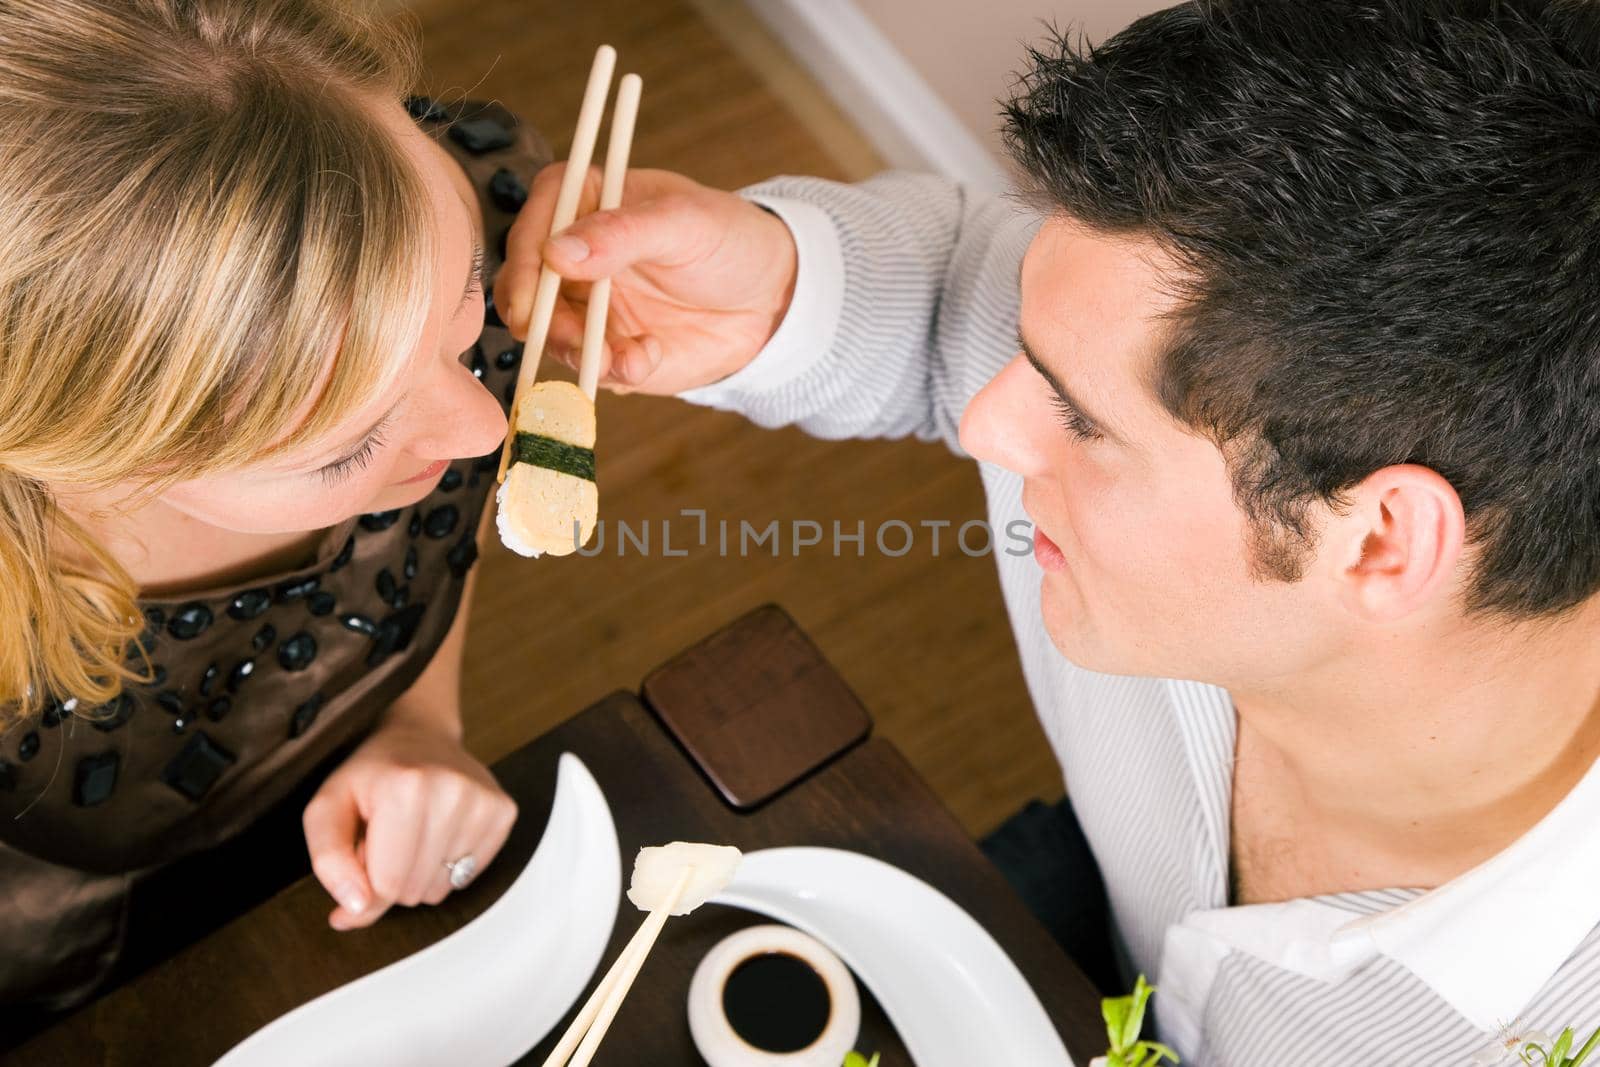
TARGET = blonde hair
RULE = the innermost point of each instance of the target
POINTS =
(196, 209)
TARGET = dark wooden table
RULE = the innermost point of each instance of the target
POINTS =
(198, 1004)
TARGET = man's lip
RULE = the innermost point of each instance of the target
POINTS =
(1046, 552)
(432, 470)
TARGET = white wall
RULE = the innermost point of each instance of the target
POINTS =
(967, 50)
(921, 77)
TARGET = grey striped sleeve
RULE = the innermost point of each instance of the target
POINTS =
(928, 312)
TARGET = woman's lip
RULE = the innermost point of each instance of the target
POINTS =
(432, 470)
(1046, 552)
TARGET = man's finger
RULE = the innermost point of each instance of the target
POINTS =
(518, 277)
(667, 231)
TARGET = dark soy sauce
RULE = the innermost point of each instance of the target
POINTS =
(776, 1002)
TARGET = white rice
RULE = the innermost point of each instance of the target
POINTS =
(508, 536)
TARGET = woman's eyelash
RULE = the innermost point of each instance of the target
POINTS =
(479, 266)
(339, 470)
(1073, 419)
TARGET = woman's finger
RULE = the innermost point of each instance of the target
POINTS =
(490, 825)
(332, 824)
(448, 807)
(395, 826)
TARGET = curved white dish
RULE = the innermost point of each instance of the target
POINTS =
(486, 994)
(953, 994)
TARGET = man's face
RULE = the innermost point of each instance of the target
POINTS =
(1145, 556)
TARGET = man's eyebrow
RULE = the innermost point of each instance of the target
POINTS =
(1055, 383)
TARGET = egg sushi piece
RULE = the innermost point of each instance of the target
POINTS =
(657, 870)
(548, 502)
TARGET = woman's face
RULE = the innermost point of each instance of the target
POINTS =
(392, 451)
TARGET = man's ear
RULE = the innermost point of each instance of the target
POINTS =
(1403, 537)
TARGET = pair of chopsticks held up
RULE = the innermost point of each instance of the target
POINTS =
(623, 118)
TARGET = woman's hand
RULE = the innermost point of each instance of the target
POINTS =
(383, 825)
(700, 278)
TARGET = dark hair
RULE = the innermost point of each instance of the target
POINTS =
(1387, 213)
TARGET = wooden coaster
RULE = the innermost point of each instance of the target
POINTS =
(757, 707)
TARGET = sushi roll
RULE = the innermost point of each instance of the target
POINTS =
(548, 502)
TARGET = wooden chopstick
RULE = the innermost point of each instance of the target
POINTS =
(623, 115)
(566, 209)
(589, 1027)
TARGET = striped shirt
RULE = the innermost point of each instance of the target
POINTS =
(906, 303)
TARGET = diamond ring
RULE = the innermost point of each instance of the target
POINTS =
(461, 871)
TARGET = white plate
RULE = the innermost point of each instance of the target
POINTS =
(954, 996)
(486, 994)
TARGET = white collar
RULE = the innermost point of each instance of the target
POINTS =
(1486, 941)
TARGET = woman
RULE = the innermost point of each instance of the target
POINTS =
(243, 370)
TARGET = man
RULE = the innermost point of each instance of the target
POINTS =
(1307, 418)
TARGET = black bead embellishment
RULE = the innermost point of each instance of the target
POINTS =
(414, 527)
(480, 365)
(344, 555)
(379, 520)
(507, 191)
(284, 592)
(509, 358)
(94, 779)
(8, 777)
(190, 621)
(480, 135)
(401, 598)
(320, 603)
(451, 480)
(462, 556)
(249, 604)
(154, 618)
(359, 623)
(158, 675)
(218, 709)
(297, 652)
(112, 716)
(422, 108)
(240, 674)
(305, 715)
(386, 585)
(52, 713)
(170, 702)
(29, 747)
(491, 315)
(266, 635)
(394, 634)
(208, 680)
(441, 521)
(197, 766)
(409, 569)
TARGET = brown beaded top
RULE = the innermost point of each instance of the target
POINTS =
(254, 687)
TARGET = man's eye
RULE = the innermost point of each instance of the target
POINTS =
(1073, 420)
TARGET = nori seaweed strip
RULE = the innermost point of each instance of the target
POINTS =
(540, 451)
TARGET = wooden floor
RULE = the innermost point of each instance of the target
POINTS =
(923, 640)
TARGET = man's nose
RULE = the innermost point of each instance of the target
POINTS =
(1002, 423)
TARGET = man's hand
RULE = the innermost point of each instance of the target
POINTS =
(383, 825)
(700, 278)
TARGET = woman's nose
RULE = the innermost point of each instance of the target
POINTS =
(1002, 424)
(463, 419)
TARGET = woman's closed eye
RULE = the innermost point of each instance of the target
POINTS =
(340, 469)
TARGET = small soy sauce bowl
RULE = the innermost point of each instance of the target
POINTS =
(770, 996)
